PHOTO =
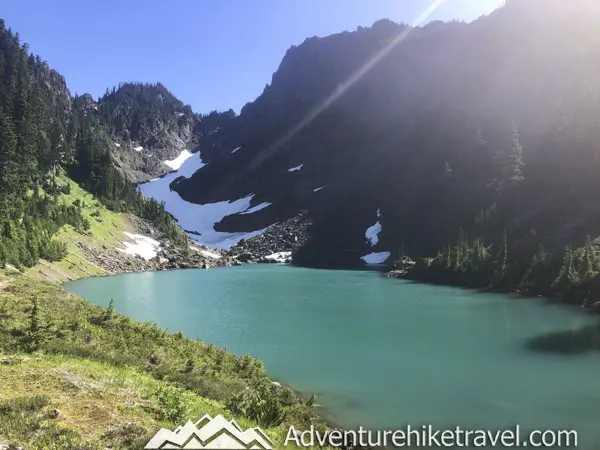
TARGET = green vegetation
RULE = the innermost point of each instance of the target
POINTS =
(143, 111)
(524, 267)
(505, 257)
(44, 133)
(104, 230)
(115, 381)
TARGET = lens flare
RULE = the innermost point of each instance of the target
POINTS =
(343, 87)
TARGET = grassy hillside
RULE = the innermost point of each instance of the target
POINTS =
(105, 234)
(115, 381)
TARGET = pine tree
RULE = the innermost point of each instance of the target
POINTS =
(567, 276)
(588, 270)
(502, 259)
(110, 311)
(37, 333)
(514, 163)
(509, 164)
(8, 167)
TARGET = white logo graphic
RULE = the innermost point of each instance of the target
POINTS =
(210, 433)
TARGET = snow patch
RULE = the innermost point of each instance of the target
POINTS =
(177, 162)
(295, 169)
(319, 188)
(376, 258)
(198, 220)
(263, 205)
(235, 149)
(223, 240)
(138, 149)
(142, 246)
(205, 252)
(210, 254)
(280, 257)
(180, 114)
(372, 233)
(117, 145)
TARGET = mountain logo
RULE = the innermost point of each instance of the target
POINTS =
(210, 433)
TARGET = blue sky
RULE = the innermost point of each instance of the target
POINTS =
(212, 54)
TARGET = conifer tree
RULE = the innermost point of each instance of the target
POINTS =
(37, 333)
(567, 276)
(502, 259)
(110, 311)
(514, 163)
(589, 269)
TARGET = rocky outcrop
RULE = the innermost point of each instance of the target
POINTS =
(288, 236)
(277, 245)
(113, 259)
(416, 135)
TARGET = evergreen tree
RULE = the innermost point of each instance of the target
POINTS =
(502, 259)
(567, 276)
(514, 163)
(110, 311)
(37, 333)
(589, 268)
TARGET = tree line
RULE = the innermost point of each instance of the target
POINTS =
(516, 261)
(43, 134)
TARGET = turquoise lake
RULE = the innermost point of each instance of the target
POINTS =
(379, 352)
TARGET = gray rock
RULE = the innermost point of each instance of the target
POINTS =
(54, 414)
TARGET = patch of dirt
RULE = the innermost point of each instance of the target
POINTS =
(78, 382)
(12, 360)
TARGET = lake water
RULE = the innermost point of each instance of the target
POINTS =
(379, 352)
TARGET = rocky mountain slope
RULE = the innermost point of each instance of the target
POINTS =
(152, 131)
(394, 137)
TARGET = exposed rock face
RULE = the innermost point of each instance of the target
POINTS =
(149, 162)
(114, 260)
(351, 125)
(288, 236)
(149, 126)
(414, 135)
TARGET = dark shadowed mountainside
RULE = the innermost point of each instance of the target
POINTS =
(427, 135)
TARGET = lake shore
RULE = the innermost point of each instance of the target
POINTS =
(198, 376)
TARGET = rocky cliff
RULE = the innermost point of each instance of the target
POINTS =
(393, 136)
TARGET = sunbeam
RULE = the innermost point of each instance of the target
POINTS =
(343, 87)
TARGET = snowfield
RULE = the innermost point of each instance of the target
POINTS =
(205, 252)
(376, 258)
(199, 220)
(372, 233)
(142, 246)
(177, 162)
(295, 169)
(235, 149)
(319, 188)
(280, 257)
(138, 149)
(256, 208)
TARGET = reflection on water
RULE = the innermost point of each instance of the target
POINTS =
(570, 342)
(384, 353)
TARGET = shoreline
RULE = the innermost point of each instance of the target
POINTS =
(322, 411)
(393, 274)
